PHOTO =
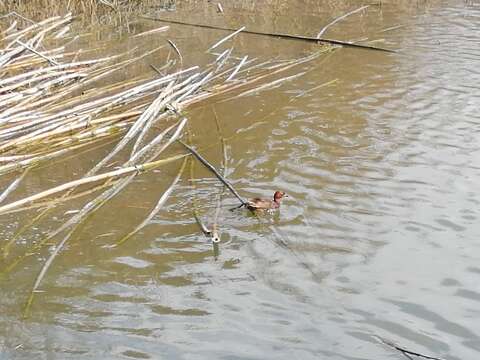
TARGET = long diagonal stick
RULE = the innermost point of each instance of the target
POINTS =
(217, 174)
(278, 35)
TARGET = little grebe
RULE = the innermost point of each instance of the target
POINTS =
(265, 204)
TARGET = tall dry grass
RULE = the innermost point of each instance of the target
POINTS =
(112, 12)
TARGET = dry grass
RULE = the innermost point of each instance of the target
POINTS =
(112, 12)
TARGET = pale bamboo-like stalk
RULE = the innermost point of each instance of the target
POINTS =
(340, 18)
(88, 180)
(154, 109)
(218, 43)
(32, 27)
(62, 243)
(215, 234)
(206, 231)
(271, 84)
(125, 140)
(49, 203)
(153, 31)
(91, 206)
(104, 197)
(44, 270)
(156, 209)
(50, 69)
(232, 75)
(13, 185)
(40, 158)
(96, 203)
(121, 184)
(26, 46)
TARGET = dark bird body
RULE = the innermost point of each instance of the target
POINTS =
(266, 204)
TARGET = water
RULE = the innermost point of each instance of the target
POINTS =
(382, 221)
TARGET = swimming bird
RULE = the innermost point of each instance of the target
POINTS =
(266, 204)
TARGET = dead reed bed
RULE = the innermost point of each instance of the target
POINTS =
(49, 109)
(55, 102)
(91, 12)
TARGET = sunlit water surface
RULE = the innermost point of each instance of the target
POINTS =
(382, 167)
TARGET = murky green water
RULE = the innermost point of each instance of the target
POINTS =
(382, 168)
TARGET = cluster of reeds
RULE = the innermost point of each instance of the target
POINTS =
(53, 104)
(92, 12)
(48, 107)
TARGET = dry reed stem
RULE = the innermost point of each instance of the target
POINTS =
(13, 185)
(193, 184)
(87, 180)
(48, 127)
(340, 18)
(57, 201)
(153, 31)
(100, 200)
(215, 234)
(90, 207)
(226, 38)
(161, 201)
(43, 271)
(95, 204)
